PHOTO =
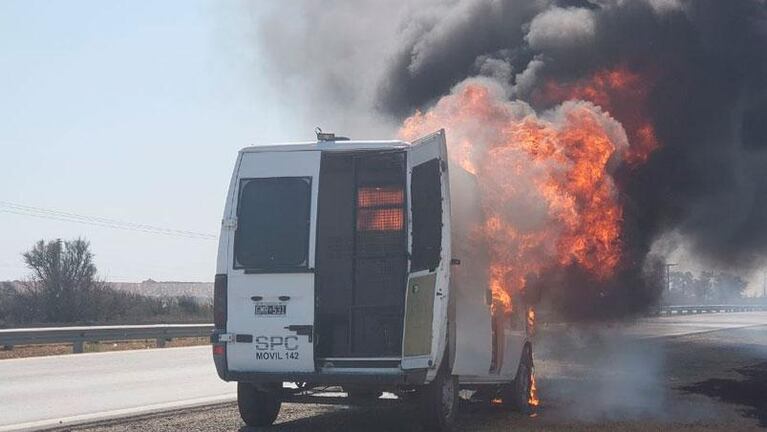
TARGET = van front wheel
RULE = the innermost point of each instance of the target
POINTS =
(258, 406)
(440, 402)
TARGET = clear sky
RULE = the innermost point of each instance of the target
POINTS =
(132, 110)
(128, 110)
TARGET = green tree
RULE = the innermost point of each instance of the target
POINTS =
(682, 287)
(703, 287)
(729, 287)
(63, 279)
(7, 300)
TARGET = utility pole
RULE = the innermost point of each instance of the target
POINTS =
(764, 285)
(668, 277)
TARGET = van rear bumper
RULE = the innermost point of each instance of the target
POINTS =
(384, 377)
(362, 374)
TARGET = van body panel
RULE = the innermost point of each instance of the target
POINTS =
(227, 222)
(514, 345)
(473, 351)
(329, 146)
(273, 348)
(429, 244)
(270, 298)
(470, 282)
(278, 165)
(353, 262)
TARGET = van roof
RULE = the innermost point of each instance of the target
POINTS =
(328, 146)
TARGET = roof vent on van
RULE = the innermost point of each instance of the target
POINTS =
(328, 136)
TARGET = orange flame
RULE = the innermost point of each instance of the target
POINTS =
(545, 181)
(621, 92)
(531, 321)
(533, 400)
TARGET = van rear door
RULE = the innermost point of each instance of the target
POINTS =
(271, 265)
(429, 245)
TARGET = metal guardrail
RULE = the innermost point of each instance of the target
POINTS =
(699, 309)
(77, 336)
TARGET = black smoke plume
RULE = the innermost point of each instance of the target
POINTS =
(705, 184)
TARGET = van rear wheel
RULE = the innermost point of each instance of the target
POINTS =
(517, 394)
(258, 406)
(440, 402)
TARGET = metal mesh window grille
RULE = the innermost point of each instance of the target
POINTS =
(380, 208)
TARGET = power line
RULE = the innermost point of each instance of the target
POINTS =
(39, 212)
(102, 222)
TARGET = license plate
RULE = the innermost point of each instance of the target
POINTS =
(266, 309)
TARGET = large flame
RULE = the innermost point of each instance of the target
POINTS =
(545, 180)
(621, 92)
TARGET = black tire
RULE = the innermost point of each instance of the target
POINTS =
(517, 394)
(439, 401)
(258, 406)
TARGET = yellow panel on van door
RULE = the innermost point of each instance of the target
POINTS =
(419, 314)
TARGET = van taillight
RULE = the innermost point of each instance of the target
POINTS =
(219, 301)
(219, 350)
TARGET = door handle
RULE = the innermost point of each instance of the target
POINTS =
(302, 330)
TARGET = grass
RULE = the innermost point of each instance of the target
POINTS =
(24, 351)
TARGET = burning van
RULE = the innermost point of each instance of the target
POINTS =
(351, 266)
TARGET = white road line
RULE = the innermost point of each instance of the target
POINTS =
(116, 414)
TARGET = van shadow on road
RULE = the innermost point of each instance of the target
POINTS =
(367, 419)
(472, 416)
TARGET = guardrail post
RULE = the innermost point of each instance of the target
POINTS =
(161, 342)
(77, 347)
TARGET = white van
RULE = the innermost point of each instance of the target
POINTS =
(343, 264)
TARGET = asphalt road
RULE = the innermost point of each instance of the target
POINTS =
(42, 391)
(698, 369)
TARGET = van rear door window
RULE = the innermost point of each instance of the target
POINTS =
(273, 221)
(426, 190)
